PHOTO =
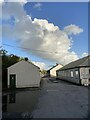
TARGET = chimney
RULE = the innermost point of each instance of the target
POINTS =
(26, 58)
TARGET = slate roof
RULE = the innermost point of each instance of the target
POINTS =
(54, 66)
(83, 62)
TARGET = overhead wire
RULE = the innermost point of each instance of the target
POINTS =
(37, 50)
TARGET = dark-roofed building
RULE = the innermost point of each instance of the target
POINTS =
(76, 72)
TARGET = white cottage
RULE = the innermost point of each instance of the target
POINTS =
(52, 71)
(23, 74)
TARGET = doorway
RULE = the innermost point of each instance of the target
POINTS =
(12, 81)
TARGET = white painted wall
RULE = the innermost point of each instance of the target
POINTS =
(53, 71)
(27, 74)
(84, 74)
(69, 75)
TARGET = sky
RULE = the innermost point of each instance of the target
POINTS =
(46, 32)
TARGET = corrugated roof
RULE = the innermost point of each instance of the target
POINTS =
(83, 62)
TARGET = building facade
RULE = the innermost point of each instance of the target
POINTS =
(76, 72)
(23, 74)
(52, 72)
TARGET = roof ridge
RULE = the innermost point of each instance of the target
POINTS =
(77, 63)
(54, 66)
(26, 62)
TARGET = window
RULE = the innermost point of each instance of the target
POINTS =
(71, 73)
(76, 72)
(89, 71)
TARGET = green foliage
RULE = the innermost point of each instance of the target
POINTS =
(7, 60)
(44, 72)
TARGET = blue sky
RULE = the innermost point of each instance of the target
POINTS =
(61, 14)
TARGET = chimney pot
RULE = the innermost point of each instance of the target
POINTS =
(26, 58)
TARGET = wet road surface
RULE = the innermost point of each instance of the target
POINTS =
(54, 100)
(19, 104)
(62, 100)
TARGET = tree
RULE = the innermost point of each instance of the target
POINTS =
(7, 60)
(44, 72)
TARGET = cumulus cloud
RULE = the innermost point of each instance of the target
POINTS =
(41, 65)
(73, 29)
(42, 38)
(13, 9)
(1, 1)
(24, 1)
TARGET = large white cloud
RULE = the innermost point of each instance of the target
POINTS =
(1, 1)
(23, 1)
(42, 38)
(12, 9)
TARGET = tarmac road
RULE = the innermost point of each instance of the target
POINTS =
(62, 100)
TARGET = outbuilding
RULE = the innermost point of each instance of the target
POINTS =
(76, 72)
(23, 74)
(52, 71)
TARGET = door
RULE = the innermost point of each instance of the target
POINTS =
(13, 81)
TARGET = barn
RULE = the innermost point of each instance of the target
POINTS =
(52, 71)
(23, 74)
(76, 72)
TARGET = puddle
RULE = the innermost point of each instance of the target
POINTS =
(19, 104)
